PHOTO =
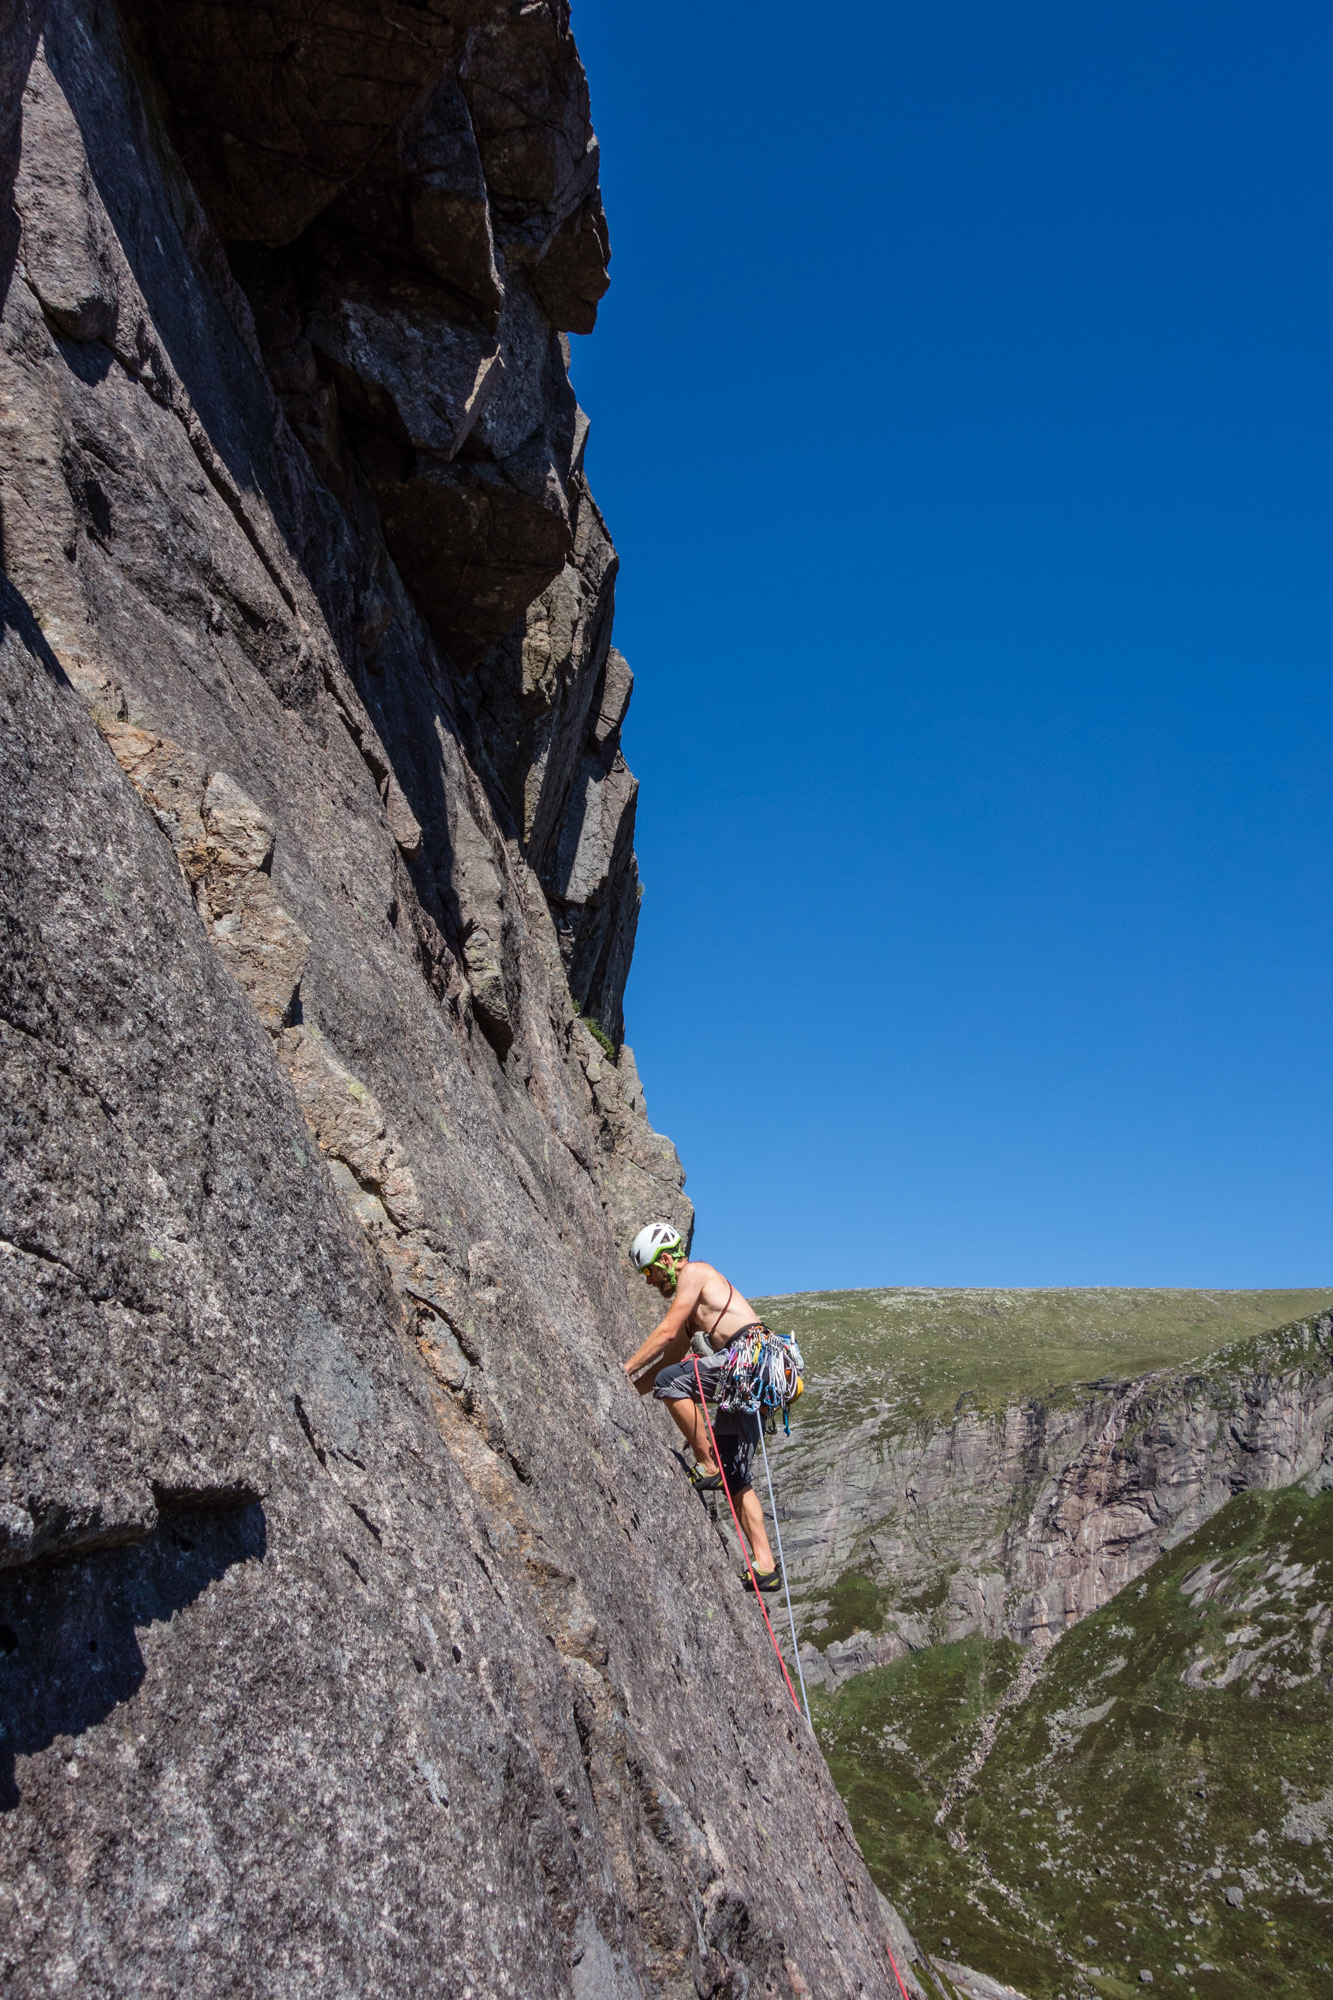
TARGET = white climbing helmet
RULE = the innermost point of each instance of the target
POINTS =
(649, 1244)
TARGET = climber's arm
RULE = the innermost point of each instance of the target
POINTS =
(669, 1338)
(675, 1349)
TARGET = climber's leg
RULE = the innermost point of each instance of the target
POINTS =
(737, 1442)
(678, 1388)
(752, 1520)
(689, 1417)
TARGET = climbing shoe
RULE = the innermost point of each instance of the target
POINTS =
(705, 1482)
(766, 1579)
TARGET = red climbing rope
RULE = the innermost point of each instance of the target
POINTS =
(741, 1539)
(897, 1975)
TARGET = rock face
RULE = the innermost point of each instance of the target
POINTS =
(1017, 1522)
(358, 1633)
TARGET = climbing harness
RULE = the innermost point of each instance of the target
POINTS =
(761, 1374)
(782, 1565)
(741, 1539)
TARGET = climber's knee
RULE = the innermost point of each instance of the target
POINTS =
(675, 1384)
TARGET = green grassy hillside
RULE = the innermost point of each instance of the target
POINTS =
(1162, 1799)
(1184, 1729)
(918, 1351)
(877, 1520)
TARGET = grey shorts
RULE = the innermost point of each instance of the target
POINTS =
(679, 1380)
(736, 1432)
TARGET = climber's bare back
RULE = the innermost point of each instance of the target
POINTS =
(703, 1291)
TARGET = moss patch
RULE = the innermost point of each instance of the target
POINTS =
(854, 1605)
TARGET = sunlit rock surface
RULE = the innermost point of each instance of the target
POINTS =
(358, 1632)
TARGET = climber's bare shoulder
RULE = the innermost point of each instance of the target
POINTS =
(714, 1313)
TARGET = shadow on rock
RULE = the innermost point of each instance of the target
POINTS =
(69, 1650)
(16, 615)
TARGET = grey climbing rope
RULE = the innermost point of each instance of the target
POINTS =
(782, 1565)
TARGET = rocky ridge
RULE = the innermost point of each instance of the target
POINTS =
(357, 1631)
(1014, 1521)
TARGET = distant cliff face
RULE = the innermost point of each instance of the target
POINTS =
(1146, 1800)
(357, 1631)
(1013, 1516)
(1153, 1794)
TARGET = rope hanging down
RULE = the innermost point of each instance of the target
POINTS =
(740, 1537)
(782, 1565)
(703, 1404)
(897, 1975)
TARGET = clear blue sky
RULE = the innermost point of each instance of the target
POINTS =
(963, 412)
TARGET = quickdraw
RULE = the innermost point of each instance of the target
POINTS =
(761, 1375)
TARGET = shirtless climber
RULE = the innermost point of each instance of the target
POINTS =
(701, 1302)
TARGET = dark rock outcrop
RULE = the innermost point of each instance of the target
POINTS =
(357, 1631)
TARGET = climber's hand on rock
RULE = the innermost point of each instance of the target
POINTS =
(641, 1375)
